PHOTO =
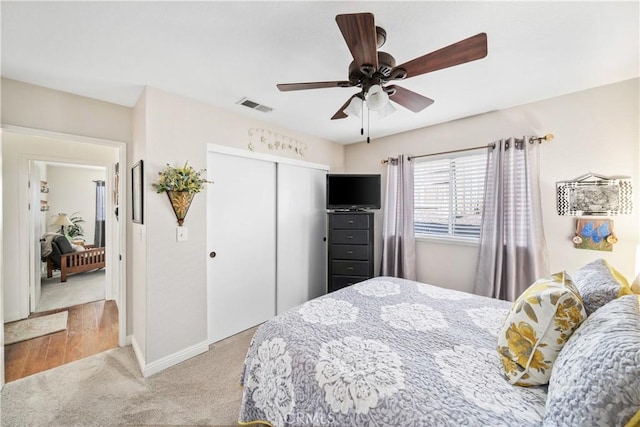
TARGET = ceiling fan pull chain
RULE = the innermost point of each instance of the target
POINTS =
(362, 119)
(368, 124)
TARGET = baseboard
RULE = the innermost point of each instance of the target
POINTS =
(167, 361)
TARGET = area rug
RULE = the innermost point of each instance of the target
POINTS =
(78, 289)
(23, 330)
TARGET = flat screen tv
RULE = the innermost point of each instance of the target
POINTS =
(353, 192)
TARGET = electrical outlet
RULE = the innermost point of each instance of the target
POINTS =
(182, 234)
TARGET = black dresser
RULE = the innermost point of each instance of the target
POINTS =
(350, 248)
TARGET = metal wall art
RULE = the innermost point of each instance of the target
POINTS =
(275, 141)
(593, 194)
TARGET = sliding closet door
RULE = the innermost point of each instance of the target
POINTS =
(302, 248)
(241, 240)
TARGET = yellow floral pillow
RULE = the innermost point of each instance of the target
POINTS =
(540, 321)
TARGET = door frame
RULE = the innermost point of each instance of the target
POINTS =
(27, 162)
(118, 257)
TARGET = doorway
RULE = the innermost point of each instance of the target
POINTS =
(22, 264)
(71, 198)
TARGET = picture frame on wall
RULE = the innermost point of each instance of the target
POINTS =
(137, 193)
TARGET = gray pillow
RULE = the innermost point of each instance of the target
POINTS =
(599, 283)
(595, 380)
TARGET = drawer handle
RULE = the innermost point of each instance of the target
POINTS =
(350, 222)
(349, 252)
(350, 268)
(349, 237)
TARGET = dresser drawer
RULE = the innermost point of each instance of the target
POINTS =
(350, 252)
(349, 237)
(339, 282)
(351, 221)
(350, 268)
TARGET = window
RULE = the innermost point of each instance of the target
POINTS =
(448, 195)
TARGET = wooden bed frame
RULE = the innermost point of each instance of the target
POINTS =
(78, 262)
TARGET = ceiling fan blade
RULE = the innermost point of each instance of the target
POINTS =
(409, 99)
(359, 31)
(285, 87)
(466, 50)
(340, 114)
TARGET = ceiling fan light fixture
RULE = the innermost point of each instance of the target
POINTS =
(376, 98)
(354, 108)
(386, 110)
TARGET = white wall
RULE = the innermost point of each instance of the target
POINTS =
(595, 130)
(177, 130)
(71, 190)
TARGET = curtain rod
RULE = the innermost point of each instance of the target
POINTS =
(547, 137)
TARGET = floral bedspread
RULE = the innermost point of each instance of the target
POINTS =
(385, 352)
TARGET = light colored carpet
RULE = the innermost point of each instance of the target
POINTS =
(23, 330)
(108, 390)
(78, 289)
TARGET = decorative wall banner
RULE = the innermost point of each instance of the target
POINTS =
(593, 194)
(275, 141)
(594, 234)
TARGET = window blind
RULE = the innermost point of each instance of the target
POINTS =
(448, 195)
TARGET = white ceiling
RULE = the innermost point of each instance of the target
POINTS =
(220, 52)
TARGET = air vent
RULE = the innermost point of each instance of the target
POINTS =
(254, 105)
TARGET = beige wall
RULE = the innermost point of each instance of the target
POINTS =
(71, 190)
(595, 130)
(166, 284)
(176, 130)
(41, 108)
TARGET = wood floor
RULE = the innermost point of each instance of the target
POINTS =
(91, 328)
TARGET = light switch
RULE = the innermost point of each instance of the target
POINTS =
(182, 234)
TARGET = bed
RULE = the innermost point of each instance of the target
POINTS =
(385, 351)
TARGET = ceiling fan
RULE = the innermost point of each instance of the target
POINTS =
(372, 70)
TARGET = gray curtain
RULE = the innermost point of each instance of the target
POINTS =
(98, 239)
(513, 249)
(398, 241)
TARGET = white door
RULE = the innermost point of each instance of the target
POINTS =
(241, 210)
(302, 250)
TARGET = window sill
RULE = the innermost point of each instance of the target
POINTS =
(460, 241)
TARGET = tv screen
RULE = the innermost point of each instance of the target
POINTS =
(353, 191)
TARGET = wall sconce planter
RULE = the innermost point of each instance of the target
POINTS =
(180, 202)
(593, 194)
(180, 184)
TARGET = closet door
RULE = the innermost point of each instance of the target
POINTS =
(241, 210)
(302, 249)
